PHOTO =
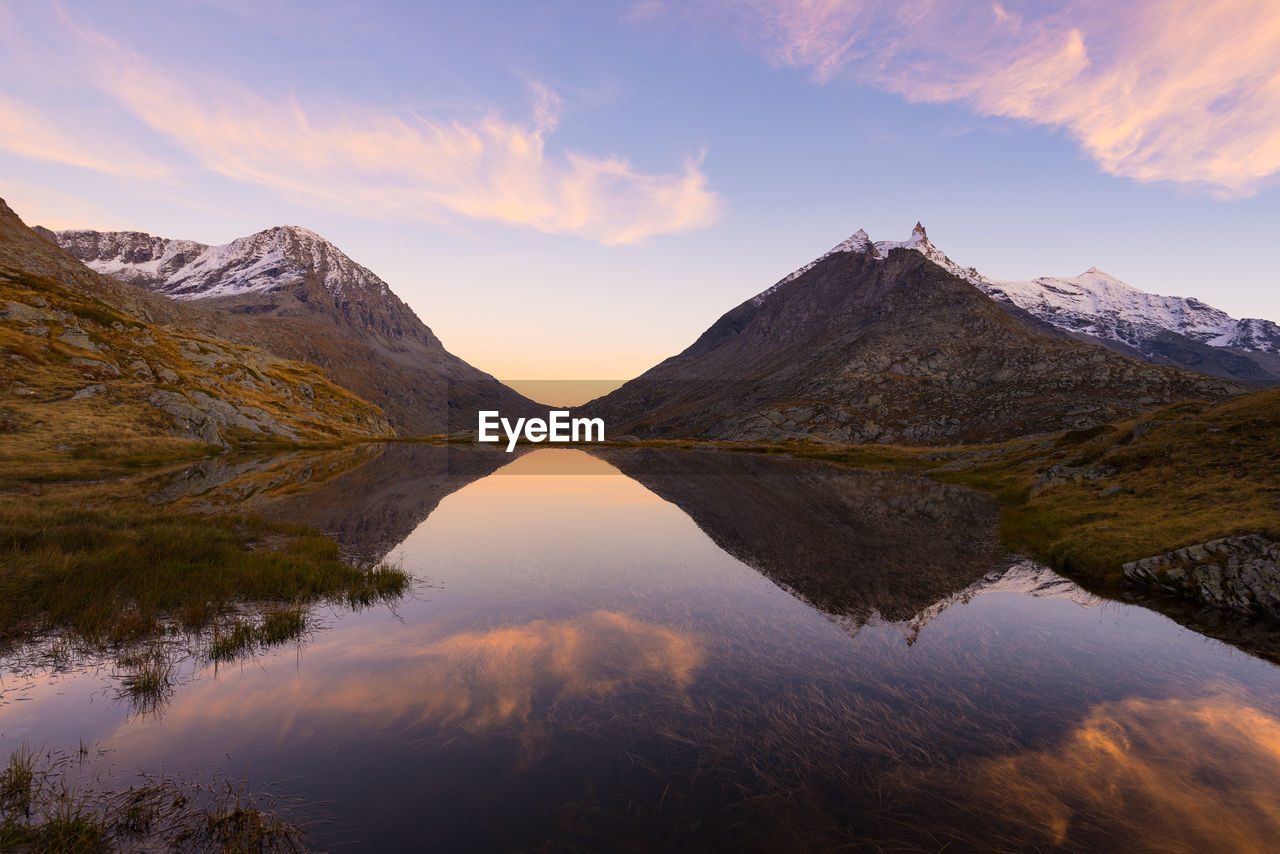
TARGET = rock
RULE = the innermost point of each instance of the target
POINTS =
(89, 391)
(23, 313)
(189, 420)
(76, 338)
(1060, 473)
(1239, 573)
(222, 412)
(97, 366)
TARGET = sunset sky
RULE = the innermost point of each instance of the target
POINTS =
(578, 189)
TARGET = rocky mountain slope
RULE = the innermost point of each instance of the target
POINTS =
(1099, 308)
(879, 343)
(292, 292)
(88, 360)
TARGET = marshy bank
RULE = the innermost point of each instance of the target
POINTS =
(64, 803)
(102, 578)
(1088, 502)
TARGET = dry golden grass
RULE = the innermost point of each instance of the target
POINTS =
(1200, 472)
(76, 378)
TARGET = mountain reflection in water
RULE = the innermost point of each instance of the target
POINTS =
(855, 544)
(367, 497)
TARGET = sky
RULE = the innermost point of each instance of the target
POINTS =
(576, 190)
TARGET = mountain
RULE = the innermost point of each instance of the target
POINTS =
(292, 292)
(1163, 330)
(91, 363)
(883, 343)
(1097, 307)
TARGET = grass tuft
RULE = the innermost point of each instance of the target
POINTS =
(17, 782)
(123, 571)
(283, 625)
(40, 811)
(148, 680)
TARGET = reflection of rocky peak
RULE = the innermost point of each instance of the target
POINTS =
(368, 498)
(1023, 577)
(859, 546)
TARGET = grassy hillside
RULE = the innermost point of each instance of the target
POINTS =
(90, 371)
(1178, 477)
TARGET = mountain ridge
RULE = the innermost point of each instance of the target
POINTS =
(93, 363)
(866, 345)
(1099, 308)
(289, 290)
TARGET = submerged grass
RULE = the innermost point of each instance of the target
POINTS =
(148, 680)
(47, 805)
(239, 637)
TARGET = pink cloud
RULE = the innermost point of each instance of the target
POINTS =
(1179, 90)
(30, 132)
(374, 162)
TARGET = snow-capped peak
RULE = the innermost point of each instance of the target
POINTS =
(1093, 303)
(1098, 304)
(268, 260)
(919, 242)
(859, 242)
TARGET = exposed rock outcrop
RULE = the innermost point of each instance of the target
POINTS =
(1240, 573)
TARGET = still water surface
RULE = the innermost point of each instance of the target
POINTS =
(643, 650)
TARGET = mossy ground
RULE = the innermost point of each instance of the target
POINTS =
(120, 571)
(1183, 475)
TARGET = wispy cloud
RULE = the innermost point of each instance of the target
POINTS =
(1175, 90)
(386, 164)
(30, 132)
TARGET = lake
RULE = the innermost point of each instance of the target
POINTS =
(641, 649)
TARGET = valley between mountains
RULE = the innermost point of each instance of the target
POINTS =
(1116, 426)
